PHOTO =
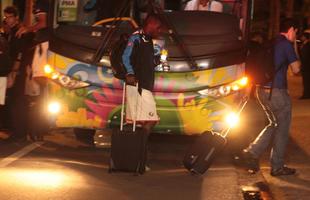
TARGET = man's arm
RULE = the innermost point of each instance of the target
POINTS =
(41, 23)
(126, 58)
(40, 11)
(295, 66)
(292, 57)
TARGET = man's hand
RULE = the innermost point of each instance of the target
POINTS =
(295, 67)
(22, 30)
(131, 79)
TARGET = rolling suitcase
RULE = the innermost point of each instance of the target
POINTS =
(128, 147)
(202, 153)
(205, 149)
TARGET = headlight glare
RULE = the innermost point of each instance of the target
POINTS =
(225, 90)
(48, 69)
(243, 81)
(235, 87)
(55, 75)
(232, 119)
(54, 107)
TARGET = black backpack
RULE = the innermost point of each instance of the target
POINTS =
(260, 63)
(116, 53)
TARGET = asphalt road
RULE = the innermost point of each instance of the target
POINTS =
(62, 168)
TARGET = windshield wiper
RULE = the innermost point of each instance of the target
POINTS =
(176, 37)
(108, 35)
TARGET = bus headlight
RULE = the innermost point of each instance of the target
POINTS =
(48, 69)
(67, 81)
(54, 107)
(64, 80)
(224, 90)
(70, 83)
(232, 119)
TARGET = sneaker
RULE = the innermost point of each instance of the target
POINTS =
(250, 162)
(283, 171)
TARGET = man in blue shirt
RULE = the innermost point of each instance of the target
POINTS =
(141, 107)
(278, 107)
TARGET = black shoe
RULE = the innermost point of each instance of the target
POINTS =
(283, 171)
(250, 162)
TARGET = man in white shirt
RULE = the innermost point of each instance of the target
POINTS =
(204, 5)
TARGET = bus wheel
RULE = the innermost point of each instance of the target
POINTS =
(85, 136)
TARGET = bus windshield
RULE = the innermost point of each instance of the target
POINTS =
(206, 34)
(89, 12)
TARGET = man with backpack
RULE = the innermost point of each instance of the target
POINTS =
(273, 97)
(139, 61)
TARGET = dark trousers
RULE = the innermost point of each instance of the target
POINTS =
(306, 83)
(37, 116)
(17, 106)
(278, 111)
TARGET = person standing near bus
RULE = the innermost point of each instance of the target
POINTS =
(276, 102)
(37, 76)
(139, 60)
(204, 5)
(305, 62)
(19, 51)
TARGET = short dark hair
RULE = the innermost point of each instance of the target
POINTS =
(11, 10)
(286, 24)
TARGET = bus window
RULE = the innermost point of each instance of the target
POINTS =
(87, 12)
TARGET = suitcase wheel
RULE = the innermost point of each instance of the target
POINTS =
(194, 173)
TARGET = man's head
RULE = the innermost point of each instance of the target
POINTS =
(152, 26)
(11, 16)
(288, 28)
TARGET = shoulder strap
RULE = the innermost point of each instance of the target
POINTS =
(275, 72)
(272, 82)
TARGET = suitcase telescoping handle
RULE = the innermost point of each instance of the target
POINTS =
(123, 108)
(123, 103)
(241, 107)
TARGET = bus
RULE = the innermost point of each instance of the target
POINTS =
(84, 95)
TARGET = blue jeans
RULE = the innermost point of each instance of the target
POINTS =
(278, 112)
